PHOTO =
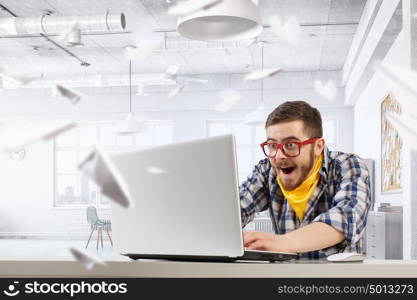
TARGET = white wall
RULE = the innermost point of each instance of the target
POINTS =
(26, 196)
(367, 121)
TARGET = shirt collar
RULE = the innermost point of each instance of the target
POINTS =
(326, 163)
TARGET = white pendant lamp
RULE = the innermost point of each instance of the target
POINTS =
(130, 126)
(230, 20)
(258, 116)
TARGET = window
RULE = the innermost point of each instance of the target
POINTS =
(248, 139)
(71, 187)
(330, 130)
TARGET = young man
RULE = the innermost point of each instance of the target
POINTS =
(318, 200)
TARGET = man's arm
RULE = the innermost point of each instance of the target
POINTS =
(311, 237)
(254, 192)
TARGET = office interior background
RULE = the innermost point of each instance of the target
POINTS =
(43, 197)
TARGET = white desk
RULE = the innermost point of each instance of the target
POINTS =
(147, 268)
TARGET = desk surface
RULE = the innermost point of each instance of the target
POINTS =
(149, 268)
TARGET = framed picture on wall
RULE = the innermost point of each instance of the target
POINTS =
(391, 145)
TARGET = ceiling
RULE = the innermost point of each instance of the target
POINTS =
(328, 27)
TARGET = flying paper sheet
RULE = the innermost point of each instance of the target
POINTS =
(18, 154)
(230, 95)
(260, 74)
(144, 42)
(406, 126)
(191, 6)
(99, 167)
(290, 31)
(402, 83)
(172, 70)
(65, 33)
(13, 137)
(10, 81)
(67, 93)
(175, 91)
(140, 53)
(230, 98)
(87, 260)
(224, 106)
(327, 90)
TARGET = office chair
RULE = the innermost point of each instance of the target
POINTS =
(99, 225)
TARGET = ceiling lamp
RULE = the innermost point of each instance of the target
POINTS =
(230, 20)
(130, 126)
(258, 116)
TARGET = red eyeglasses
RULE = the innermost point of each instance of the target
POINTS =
(289, 148)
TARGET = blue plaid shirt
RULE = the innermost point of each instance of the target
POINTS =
(341, 200)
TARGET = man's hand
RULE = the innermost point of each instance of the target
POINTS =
(314, 236)
(256, 240)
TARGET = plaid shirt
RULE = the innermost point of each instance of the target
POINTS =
(341, 200)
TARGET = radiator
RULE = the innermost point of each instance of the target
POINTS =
(260, 224)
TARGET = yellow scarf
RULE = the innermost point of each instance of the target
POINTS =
(298, 197)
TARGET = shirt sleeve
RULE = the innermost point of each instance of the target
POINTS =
(350, 204)
(254, 192)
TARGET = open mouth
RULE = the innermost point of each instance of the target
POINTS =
(287, 170)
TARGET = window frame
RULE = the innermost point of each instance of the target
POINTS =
(151, 125)
(252, 145)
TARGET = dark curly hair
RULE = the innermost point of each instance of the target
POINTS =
(297, 110)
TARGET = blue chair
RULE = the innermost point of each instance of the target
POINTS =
(99, 225)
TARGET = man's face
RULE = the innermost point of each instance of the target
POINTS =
(292, 171)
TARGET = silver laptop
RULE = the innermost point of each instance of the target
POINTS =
(185, 204)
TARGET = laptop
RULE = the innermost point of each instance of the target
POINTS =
(185, 204)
